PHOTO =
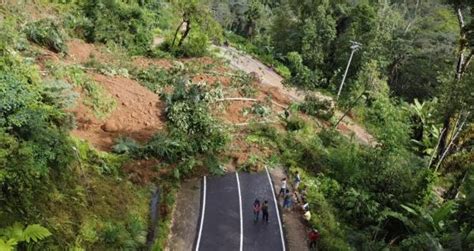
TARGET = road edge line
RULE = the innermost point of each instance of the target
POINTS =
(276, 209)
(241, 215)
(202, 214)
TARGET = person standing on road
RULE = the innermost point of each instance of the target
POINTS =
(283, 187)
(256, 209)
(265, 211)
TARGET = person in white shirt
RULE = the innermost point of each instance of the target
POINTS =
(283, 187)
(307, 215)
(297, 181)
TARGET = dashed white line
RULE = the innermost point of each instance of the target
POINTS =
(276, 209)
(241, 217)
(202, 214)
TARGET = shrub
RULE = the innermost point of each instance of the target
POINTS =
(259, 109)
(11, 36)
(192, 131)
(169, 147)
(114, 21)
(33, 138)
(125, 145)
(324, 217)
(295, 123)
(46, 33)
(318, 107)
(96, 96)
(156, 78)
(301, 75)
(244, 83)
(195, 46)
(59, 93)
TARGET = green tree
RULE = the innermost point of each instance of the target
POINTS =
(464, 52)
(195, 16)
(318, 34)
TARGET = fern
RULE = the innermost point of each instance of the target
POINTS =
(35, 232)
(11, 236)
(8, 245)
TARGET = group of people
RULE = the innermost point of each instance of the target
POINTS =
(289, 198)
(263, 207)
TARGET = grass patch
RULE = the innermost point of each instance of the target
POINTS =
(167, 204)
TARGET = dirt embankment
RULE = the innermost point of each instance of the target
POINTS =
(138, 114)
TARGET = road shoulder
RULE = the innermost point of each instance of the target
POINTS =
(293, 227)
(186, 216)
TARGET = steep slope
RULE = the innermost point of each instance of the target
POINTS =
(241, 61)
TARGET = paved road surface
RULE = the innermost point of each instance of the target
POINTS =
(227, 226)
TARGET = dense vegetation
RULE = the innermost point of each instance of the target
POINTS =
(410, 84)
(417, 52)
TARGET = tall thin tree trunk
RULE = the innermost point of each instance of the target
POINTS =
(457, 184)
(176, 34)
(186, 32)
(444, 137)
(460, 68)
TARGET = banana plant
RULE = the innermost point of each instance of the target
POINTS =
(423, 114)
(424, 225)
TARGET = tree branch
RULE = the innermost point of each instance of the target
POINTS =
(460, 18)
(467, 61)
(456, 134)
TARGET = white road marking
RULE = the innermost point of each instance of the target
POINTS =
(241, 217)
(202, 215)
(276, 209)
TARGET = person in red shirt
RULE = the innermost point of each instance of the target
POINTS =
(256, 209)
(313, 237)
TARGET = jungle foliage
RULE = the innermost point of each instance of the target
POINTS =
(404, 85)
(410, 84)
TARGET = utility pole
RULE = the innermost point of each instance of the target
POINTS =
(355, 46)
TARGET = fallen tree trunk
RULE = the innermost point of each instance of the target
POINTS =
(250, 100)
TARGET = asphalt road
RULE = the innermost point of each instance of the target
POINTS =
(228, 223)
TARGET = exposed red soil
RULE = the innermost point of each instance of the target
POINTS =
(143, 62)
(233, 112)
(138, 114)
(343, 128)
(239, 150)
(275, 94)
(225, 81)
(200, 60)
(45, 56)
(142, 171)
(80, 51)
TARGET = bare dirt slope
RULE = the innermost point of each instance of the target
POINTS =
(138, 113)
(246, 63)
